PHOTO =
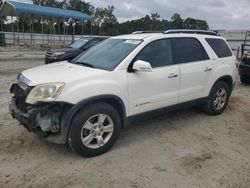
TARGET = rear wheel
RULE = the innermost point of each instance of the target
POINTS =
(218, 99)
(95, 129)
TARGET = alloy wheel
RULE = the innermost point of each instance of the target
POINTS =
(220, 99)
(97, 131)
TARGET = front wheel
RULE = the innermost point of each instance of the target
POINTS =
(218, 99)
(94, 129)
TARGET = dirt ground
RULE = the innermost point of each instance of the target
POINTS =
(184, 149)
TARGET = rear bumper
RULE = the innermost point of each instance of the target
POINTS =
(29, 121)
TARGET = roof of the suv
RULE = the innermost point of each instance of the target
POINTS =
(148, 35)
(137, 36)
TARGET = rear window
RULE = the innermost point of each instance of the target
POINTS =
(187, 50)
(220, 47)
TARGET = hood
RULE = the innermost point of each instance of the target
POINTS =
(59, 72)
(62, 50)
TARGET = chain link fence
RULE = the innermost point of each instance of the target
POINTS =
(36, 41)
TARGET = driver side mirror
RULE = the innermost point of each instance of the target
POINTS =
(142, 66)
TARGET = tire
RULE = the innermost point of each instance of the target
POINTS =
(244, 79)
(91, 132)
(217, 99)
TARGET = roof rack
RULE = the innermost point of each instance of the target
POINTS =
(141, 32)
(190, 31)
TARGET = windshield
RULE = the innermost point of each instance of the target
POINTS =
(108, 54)
(79, 43)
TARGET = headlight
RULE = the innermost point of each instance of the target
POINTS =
(58, 53)
(45, 92)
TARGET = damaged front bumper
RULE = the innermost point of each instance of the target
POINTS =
(44, 118)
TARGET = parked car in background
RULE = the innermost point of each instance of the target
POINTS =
(244, 68)
(75, 49)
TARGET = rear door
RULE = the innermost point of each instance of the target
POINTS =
(196, 69)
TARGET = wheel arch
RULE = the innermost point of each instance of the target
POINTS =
(113, 100)
(227, 79)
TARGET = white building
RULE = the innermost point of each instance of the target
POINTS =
(236, 38)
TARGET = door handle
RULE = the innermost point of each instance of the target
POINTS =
(172, 75)
(208, 69)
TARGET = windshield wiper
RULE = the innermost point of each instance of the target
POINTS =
(84, 64)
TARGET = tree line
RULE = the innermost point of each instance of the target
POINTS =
(104, 22)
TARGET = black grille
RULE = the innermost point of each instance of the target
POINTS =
(20, 96)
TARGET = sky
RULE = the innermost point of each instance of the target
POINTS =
(220, 14)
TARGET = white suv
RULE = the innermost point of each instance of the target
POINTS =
(86, 102)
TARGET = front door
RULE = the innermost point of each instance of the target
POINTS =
(156, 89)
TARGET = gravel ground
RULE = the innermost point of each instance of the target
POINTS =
(182, 149)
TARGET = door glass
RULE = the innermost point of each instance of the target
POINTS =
(157, 53)
(187, 50)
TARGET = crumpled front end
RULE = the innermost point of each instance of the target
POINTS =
(44, 118)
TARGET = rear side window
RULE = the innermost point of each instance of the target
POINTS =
(220, 47)
(187, 50)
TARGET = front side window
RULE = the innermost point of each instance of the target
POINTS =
(157, 53)
(187, 50)
(108, 54)
(220, 47)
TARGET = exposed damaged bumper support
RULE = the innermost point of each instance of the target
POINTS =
(44, 118)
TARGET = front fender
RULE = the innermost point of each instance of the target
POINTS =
(65, 124)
